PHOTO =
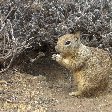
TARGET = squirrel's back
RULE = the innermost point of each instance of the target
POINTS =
(96, 70)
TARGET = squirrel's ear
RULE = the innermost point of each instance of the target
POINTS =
(77, 34)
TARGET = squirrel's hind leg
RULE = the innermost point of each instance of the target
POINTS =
(83, 90)
(77, 93)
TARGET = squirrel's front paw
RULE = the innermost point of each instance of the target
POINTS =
(56, 57)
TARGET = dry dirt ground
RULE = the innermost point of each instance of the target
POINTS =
(44, 87)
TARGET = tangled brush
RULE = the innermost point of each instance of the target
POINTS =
(26, 25)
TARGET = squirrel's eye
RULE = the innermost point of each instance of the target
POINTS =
(67, 42)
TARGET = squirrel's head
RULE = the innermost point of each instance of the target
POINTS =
(68, 44)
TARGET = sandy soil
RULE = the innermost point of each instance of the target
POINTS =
(44, 87)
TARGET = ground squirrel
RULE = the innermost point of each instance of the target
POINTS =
(90, 66)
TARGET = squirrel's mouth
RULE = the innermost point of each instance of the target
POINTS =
(61, 51)
(56, 48)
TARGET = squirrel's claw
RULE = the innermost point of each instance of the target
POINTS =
(57, 57)
(53, 57)
(77, 93)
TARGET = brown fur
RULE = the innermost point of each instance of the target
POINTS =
(90, 66)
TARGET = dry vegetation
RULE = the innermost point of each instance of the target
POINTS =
(35, 25)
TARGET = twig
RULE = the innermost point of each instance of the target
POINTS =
(8, 14)
(4, 70)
